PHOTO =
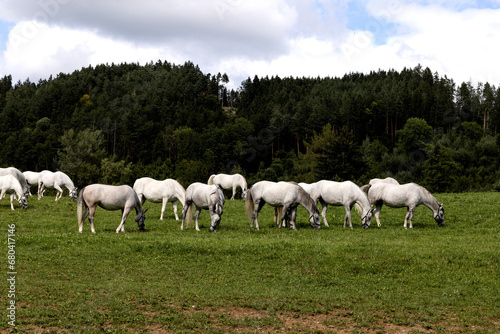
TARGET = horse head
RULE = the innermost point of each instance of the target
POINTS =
(23, 202)
(216, 217)
(367, 218)
(244, 194)
(73, 194)
(314, 219)
(141, 220)
(439, 215)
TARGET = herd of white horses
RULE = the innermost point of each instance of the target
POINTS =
(284, 196)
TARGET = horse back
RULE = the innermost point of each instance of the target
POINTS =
(110, 197)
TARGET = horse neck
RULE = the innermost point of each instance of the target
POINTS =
(138, 206)
(429, 201)
(17, 187)
(181, 192)
(69, 184)
(362, 200)
(243, 184)
(67, 181)
(306, 201)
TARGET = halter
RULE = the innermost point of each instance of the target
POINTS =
(367, 213)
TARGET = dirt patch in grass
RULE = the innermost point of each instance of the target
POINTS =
(232, 319)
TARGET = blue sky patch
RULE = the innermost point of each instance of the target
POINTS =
(358, 18)
(5, 27)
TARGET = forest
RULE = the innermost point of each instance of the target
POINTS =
(114, 123)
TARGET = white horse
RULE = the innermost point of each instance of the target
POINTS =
(165, 191)
(281, 194)
(408, 195)
(203, 196)
(344, 194)
(31, 179)
(9, 184)
(111, 198)
(373, 181)
(386, 180)
(20, 176)
(56, 180)
(226, 181)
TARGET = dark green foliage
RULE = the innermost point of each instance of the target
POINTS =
(439, 170)
(166, 120)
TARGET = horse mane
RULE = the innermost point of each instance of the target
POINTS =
(222, 198)
(365, 188)
(432, 200)
(306, 196)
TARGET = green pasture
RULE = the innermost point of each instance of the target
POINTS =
(429, 279)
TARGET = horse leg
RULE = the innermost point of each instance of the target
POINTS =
(378, 208)
(412, 211)
(91, 217)
(323, 212)
(41, 189)
(84, 216)
(121, 227)
(174, 207)
(163, 206)
(409, 216)
(59, 192)
(284, 216)
(293, 215)
(196, 215)
(234, 192)
(12, 196)
(184, 213)
(347, 216)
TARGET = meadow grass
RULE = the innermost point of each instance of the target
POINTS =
(380, 280)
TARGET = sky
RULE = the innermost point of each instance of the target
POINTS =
(244, 38)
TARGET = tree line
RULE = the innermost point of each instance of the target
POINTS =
(115, 123)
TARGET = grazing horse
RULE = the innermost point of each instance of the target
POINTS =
(281, 194)
(31, 179)
(20, 176)
(373, 181)
(9, 184)
(344, 194)
(408, 195)
(165, 191)
(203, 196)
(226, 181)
(386, 180)
(109, 198)
(56, 180)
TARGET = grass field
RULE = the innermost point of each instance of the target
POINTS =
(381, 280)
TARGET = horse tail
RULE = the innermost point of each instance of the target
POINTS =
(279, 212)
(211, 180)
(249, 205)
(189, 214)
(79, 209)
(358, 208)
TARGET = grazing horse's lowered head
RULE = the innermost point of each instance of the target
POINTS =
(73, 194)
(217, 210)
(315, 220)
(439, 215)
(140, 218)
(366, 219)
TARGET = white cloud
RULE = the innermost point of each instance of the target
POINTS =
(244, 38)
